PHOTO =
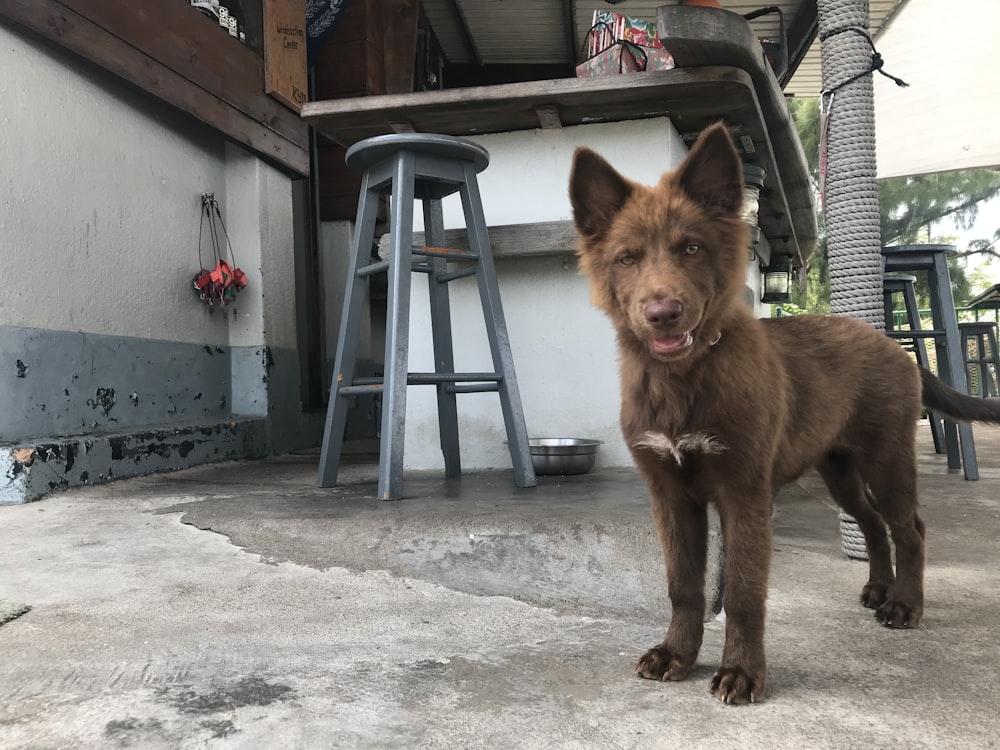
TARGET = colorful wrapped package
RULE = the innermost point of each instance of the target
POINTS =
(621, 44)
(619, 57)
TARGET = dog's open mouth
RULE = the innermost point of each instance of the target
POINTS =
(675, 343)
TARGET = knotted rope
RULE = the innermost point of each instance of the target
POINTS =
(848, 187)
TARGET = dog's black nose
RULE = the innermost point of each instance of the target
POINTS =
(663, 312)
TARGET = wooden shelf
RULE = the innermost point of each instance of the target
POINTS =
(692, 98)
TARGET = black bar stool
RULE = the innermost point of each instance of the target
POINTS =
(902, 284)
(425, 167)
(982, 359)
(933, 260)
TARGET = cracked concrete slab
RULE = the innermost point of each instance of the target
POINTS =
(469, 615)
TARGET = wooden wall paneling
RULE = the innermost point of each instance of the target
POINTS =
(400, 21)
(252, 17)
(352, 62)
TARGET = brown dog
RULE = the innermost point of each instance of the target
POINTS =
(718, 406)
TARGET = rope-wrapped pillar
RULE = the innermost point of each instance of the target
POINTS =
(850, 190)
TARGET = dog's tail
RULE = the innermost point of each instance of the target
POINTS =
(940, 397)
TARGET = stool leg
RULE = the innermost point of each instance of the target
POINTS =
(397, 331)
(347, 341)
(920, 346)
(978, 367)
(444, 353)
(887, 308)
(994, 360)
(986, 388)
(951, 364)
(496, 329)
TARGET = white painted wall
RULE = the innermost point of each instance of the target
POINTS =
(99, 210)
(100, 205)
(564, 349)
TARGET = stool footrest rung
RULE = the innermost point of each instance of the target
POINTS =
(373, 268)
(476, 382)
(926, 333)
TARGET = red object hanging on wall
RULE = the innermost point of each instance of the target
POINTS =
(225, 280)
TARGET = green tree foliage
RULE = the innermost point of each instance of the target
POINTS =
(910, 207)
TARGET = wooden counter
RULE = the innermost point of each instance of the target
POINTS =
(691, 97)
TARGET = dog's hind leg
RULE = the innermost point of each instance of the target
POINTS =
(745, 512)
(842, 474)
(682, 524)
(893, 482)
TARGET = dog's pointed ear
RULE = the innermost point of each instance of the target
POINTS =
(712, 173)
(597, 192)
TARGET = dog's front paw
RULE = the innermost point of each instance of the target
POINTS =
(897, 614)
(661, 663)
(874, 594)
(737, 686)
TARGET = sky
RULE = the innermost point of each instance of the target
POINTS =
(987, 223)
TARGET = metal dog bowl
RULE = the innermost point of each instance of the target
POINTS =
(561, 456)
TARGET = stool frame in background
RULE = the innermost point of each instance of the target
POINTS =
(425, 167)
(933, 260)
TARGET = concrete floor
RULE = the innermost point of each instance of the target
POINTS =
(239, 606)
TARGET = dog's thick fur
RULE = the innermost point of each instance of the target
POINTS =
(718, 406)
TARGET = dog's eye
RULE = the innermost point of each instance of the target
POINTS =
(692, 249)
(627, 259)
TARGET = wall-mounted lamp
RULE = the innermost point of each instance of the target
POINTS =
(753, 183)
(778, 280)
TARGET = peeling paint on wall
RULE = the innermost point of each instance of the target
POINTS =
(35, 470)
(54, 393)
(104, 399)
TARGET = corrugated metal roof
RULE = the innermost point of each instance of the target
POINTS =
(553, 31)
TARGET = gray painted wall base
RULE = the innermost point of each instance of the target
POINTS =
(32, 469)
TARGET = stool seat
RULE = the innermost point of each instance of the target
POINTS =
(425, 167)
(440, 155)
(899, 261)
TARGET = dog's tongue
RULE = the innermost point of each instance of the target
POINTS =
(672, 343)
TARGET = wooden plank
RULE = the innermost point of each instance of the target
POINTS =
(285, 68)
(534, 240)
(504, 107)
(182, 39)
(56, 23)
(692, 98)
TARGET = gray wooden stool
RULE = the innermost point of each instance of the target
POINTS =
(983, 367)
(423, 167)
(933, 260)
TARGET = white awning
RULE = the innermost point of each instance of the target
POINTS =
(948, 116)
